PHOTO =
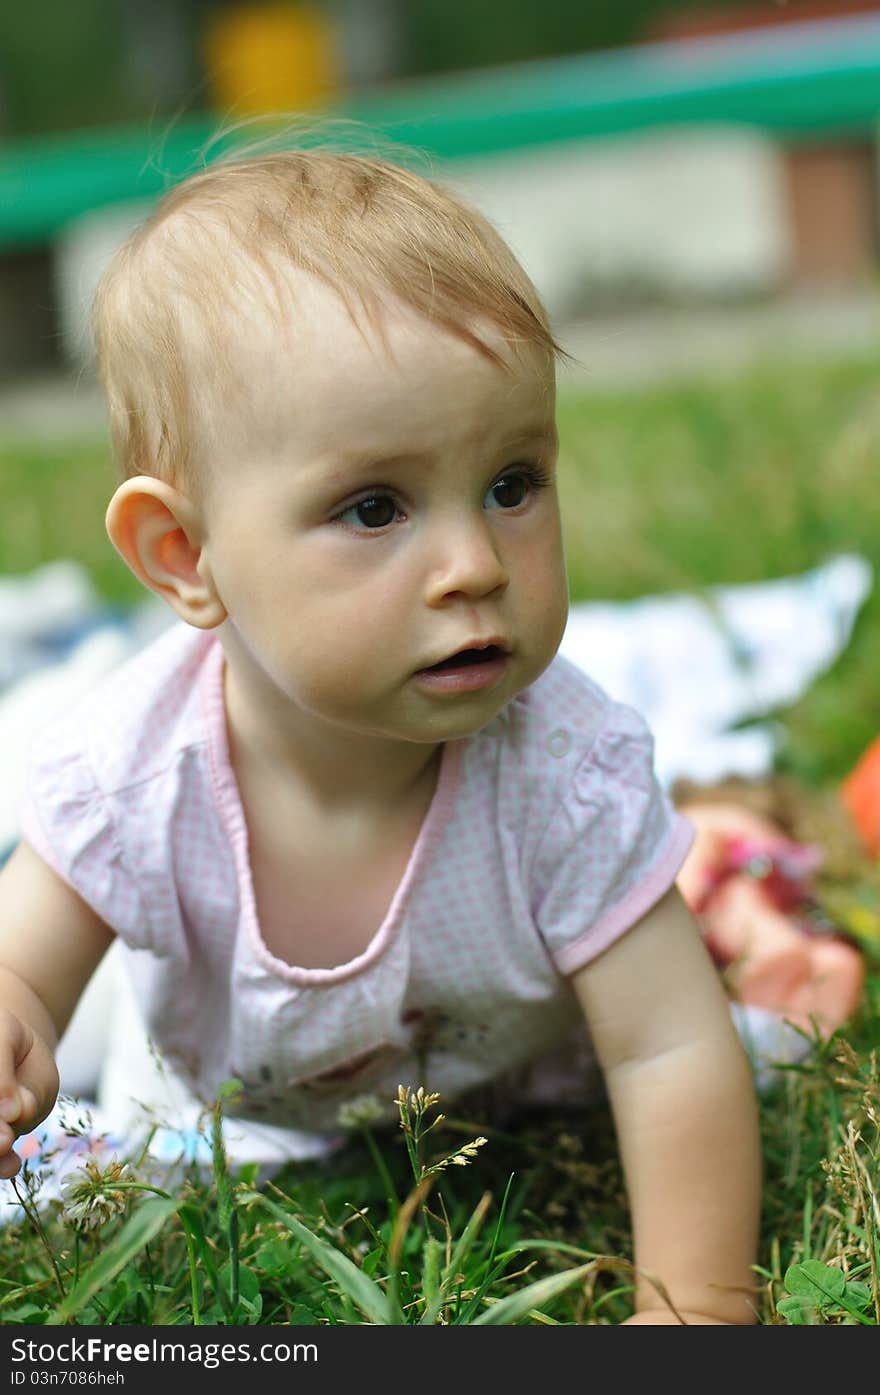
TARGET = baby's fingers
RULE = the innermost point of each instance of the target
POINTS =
(29, 1115)
(16, 1041)
(28, 1086)
(10, 1162)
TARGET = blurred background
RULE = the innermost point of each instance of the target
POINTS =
(692, 186)
(656, 154)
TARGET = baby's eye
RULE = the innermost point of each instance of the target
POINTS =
(509, 491)
(376, 511)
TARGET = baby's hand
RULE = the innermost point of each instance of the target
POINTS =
(28, 1086)
(664, 1317)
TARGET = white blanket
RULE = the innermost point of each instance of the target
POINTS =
(706, 671)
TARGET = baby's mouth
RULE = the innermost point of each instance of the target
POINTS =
(467, 658)
(467, 671)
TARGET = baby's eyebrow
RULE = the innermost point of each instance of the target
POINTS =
(364, 462)
(345, 465)
(543, 431)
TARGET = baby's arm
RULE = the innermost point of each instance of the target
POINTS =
(50, 944)
(681, 1093)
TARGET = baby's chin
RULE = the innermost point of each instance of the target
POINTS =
(466, 716)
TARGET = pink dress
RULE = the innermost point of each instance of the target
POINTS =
(547, 838)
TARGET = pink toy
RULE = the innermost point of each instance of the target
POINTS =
(750, 888)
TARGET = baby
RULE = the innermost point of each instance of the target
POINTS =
(353, 821)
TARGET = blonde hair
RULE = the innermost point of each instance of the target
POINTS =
(164, 311)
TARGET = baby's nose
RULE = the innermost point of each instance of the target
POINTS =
(466, 562)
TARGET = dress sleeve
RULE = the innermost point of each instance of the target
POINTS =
(65, 818)
(612, 848)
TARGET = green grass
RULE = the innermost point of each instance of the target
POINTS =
(53, 501)
(758, 476)
(669, 488)
(532, 1231)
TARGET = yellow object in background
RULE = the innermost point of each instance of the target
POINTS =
(270, 58)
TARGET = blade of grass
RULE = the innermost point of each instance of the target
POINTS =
(382, 1170)
(493, 1268)
(462, 1248)
(144, 1222)
(412, 1203)
(563, 1248)
(500, 1222)
(198, 1249)
(518, 1305)
(476, 1302)
(363, 1291)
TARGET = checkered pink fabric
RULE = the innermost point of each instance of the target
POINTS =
(547, 838)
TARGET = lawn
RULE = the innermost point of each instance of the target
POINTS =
(759, 475)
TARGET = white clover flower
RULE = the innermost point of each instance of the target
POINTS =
(89, 1197)
(360, 1111)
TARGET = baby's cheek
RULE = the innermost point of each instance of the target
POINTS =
(340, 671)
(546, 594)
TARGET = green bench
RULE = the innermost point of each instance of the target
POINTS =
(802, 82)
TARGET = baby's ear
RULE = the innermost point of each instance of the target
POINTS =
(157, 532)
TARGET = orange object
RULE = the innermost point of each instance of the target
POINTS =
(860, 796)
(271, 57)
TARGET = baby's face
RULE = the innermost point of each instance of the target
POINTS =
(387, 508)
